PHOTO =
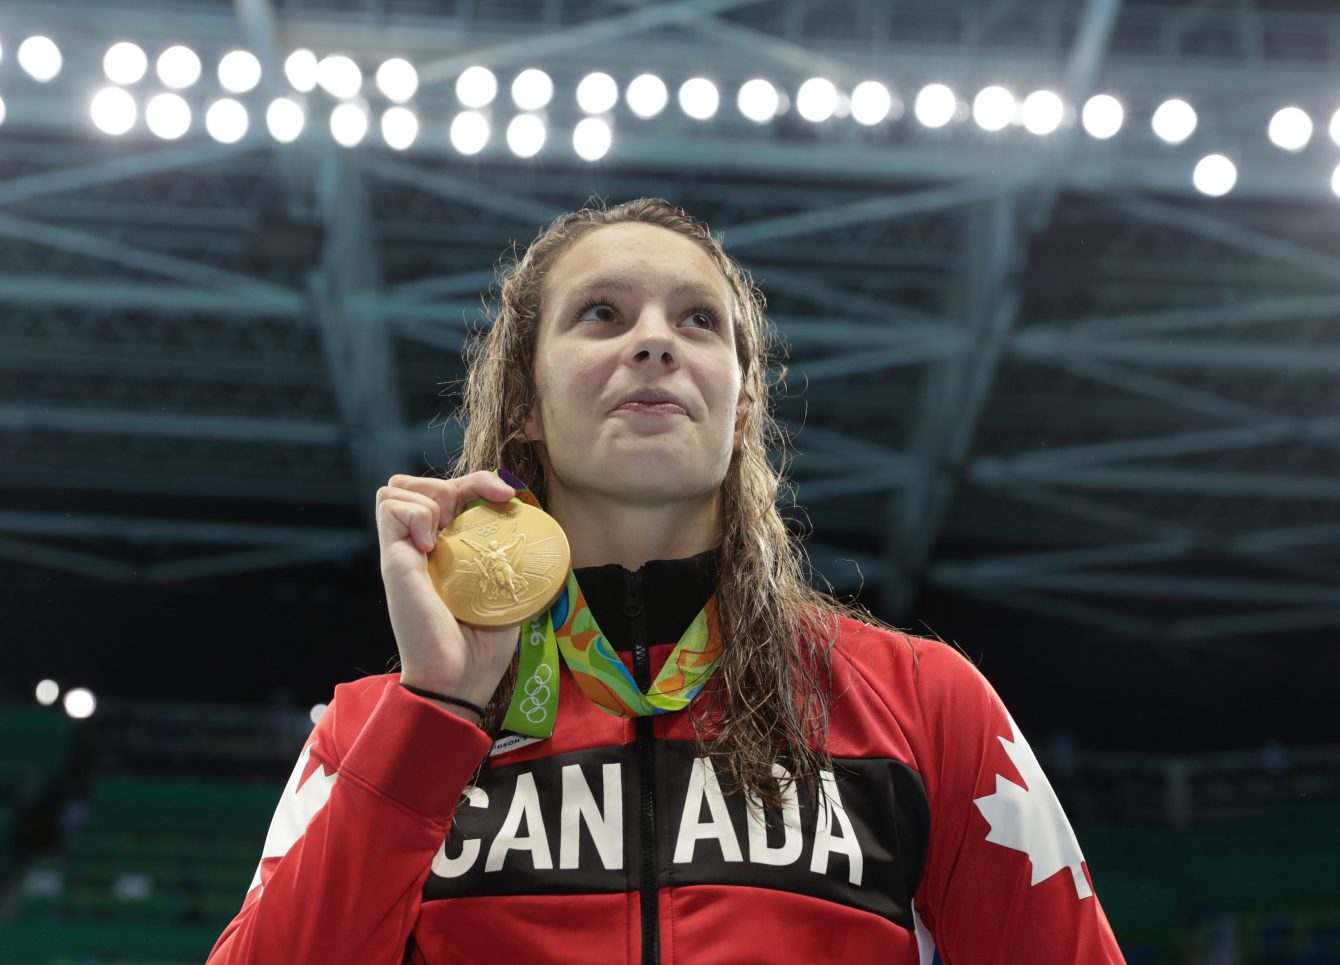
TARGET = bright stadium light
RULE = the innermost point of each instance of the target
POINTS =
(1335, 127)
(40, 57)
(525, 135)
(399, 128)
(125, 63)
(591, 138)
(698, 98)
(871, 102)
(178, 67)
(226, 121)
(300, 69)
(1174, 121)
(339, 77)
(646, 96)
(758, 100)
(239, 71)
(80, 703)
(935, 105)
(816, 100)
(476, 87)
(168, 116)
(1335, 181)
(469, 132)
(597, 93)
(2, 110)
(113, 111)
(1214, 175)
(315, 713)
(285, 119)
(47, 692)
(1042, 112)
(1290, 129)
(1102, 116)
(398, 80)
(993, 108)
(532, 89)
(349, 123)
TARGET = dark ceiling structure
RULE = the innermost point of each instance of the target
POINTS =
(1046, 399)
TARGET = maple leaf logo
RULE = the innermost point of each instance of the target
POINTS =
(1030, 818)
(307, 792)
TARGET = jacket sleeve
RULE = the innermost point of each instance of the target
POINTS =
(1005, 879)
(368, 805)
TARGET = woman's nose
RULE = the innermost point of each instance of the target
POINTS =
(653, 334)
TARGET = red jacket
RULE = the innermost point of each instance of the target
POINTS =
(941, 832)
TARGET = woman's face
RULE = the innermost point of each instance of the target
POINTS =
(631, 307)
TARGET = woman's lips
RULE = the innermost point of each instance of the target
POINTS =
(652, 408)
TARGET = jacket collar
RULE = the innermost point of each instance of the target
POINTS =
(671, 594)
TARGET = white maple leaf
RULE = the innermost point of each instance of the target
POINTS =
(297, 806)
(1030, 818)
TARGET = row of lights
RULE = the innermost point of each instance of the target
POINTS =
(994, 108)
(80, 703)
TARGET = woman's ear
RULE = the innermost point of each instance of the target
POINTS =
(532, 430)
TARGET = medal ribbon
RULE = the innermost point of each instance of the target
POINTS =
(569, 628)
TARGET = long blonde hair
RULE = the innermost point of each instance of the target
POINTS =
(770, 694)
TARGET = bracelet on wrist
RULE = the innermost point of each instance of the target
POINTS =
(432, 695)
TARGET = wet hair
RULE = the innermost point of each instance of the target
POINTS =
(769, 698)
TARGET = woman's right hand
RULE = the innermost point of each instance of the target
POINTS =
(436, 652)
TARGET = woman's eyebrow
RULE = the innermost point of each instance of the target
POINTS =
(626, 287)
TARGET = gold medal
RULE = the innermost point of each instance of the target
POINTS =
(500, 563)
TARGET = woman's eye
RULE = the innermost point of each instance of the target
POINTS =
(608, 316)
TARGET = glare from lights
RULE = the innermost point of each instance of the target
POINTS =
(1290, 129)
(597, 93)
(935, 105)
(476, 87)
(1042, 112)
(399, 128)
(40, 57)
(758, 100)
(316, 712)
(124, 63)
(2, 110)
(239, 71)
(398, 80)
(525, 135)
(80, 703)
(348, 123)
(1174, 121)
(592, 136)
(226, 120)
(168, 116)
(871, 102)
(993, 108)
(698, 98)
(300, 69)
(1102, 116)
(1335, 127)
(47, 692)
(1335, 181)
(1215, 175)
(285, 119)
(469, 132)
(178, 67)
(532, 89)
(113, 111)
(339, 77)
(646, 96)
(816, 100)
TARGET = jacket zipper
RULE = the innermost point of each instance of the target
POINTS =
(648, 890)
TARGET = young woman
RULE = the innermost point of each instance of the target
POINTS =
(734, 766)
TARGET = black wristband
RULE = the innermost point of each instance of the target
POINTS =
(444, 698)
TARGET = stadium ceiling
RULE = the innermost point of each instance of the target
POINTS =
(1042, 371)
